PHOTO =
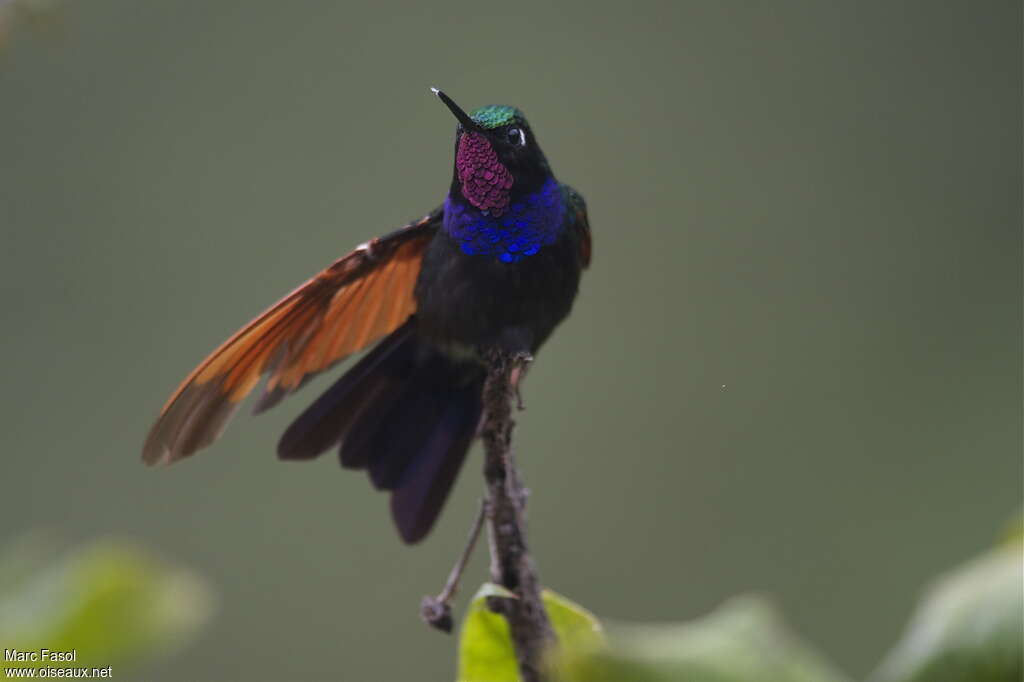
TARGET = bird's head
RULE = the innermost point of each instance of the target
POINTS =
(496, 156)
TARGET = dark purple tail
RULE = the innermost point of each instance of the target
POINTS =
(405, 413)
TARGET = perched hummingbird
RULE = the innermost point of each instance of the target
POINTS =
(496, 266)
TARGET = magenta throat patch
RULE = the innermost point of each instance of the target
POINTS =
(485, 181)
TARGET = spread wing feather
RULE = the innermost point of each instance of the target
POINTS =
(344, 308)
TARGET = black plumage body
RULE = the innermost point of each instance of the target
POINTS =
(467, 302)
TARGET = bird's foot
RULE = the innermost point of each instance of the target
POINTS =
(520, 363)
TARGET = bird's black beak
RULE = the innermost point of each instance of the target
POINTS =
(462, 116)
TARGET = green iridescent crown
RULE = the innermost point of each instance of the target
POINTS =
(496, 115)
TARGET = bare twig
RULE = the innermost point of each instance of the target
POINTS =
(437, 611)
(511, 564)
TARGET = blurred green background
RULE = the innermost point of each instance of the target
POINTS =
(795, 366)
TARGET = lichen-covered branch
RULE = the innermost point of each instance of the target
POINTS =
(511, 564)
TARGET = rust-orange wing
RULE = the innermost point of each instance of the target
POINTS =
(344, 308)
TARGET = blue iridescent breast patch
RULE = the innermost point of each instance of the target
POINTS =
(529, 223)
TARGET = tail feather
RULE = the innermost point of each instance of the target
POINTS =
(323, 423)
(424, 487)
(356, 448)
(405, 413)
(404, 430)
(357, 444)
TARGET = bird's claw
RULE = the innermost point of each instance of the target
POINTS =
(520, 362)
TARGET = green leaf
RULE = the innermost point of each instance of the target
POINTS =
(969, 627)
(110, 602)
(577, 628)
(742, 641)
(485, 648)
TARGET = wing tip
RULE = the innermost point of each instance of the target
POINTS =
(155, 454)
(159, 449)
(196, 418)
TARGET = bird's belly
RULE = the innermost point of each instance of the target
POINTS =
(468, 302)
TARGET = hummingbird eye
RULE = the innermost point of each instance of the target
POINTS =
(517, 136)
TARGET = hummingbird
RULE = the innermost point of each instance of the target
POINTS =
(496, 266)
